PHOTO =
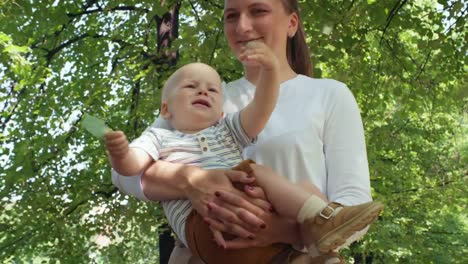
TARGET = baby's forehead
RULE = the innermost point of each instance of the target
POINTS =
(200, 76)
(192, 73)
(198, 70)
(197, 79)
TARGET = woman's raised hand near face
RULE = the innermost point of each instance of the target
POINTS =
(257, 53)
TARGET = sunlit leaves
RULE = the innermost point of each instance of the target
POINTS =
(406, 65)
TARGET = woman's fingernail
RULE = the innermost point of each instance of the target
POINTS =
(249, 176)
(206, 222)
(272, 209)
(262, 226)
(217, 194)
(209, 207)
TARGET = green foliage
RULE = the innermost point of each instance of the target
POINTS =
(405, 61)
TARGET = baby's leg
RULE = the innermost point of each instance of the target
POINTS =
(287, 198)
(328, 226)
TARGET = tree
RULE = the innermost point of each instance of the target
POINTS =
(405, 61)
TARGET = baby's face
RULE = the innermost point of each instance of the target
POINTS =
(195, 101)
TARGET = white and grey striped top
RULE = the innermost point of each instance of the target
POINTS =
(219, 146)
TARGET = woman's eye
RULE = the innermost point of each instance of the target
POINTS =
(259, 11)
(230, 16)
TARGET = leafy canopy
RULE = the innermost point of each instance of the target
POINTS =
(405, 61)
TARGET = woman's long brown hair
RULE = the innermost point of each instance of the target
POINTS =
(297, 50)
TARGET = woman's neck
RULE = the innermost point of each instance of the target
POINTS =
(252, 74)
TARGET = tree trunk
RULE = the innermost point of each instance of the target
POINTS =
(167, 30)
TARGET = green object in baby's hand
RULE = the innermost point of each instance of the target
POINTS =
(95, 126)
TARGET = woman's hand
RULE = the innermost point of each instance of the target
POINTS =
(203, 184)
(171, 181)
(204, 189)
(272, 231)
(257, 53)
(276, 228)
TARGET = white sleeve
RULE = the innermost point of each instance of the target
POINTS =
(345, 151)
(131, 185)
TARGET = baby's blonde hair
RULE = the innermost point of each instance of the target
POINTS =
(174, 79)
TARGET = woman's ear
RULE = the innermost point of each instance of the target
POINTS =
(165, 111)
(293, 24)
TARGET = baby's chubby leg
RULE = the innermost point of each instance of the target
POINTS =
(328, 226)
(287, 198)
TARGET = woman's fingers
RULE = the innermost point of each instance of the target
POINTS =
(222, 213)
(239, 176)
(240, 243)
(218, 237)
(237, 216)
(254, 222)
(255, 192)
(229, 228)
(264, 59)
(260, 197)
(266, 206)
(237, 200)
(254, 53)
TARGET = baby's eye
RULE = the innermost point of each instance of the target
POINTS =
(190, 86)
(214, 90)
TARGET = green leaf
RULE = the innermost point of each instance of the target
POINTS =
(97, 127)
(4, 38)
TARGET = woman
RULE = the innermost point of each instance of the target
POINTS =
(314, 137)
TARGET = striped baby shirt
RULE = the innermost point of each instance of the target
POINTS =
(217, 147)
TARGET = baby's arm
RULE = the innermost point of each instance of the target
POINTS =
(126, 161)
(256, 114)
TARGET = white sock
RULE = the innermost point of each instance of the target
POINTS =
(310, 208)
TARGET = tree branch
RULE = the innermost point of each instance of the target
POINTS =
(396, 8)
(106, 194)
(442, 184)
(462, 16)
(110, 9)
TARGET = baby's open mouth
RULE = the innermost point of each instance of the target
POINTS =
(201, 102)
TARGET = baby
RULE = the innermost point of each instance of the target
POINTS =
(192, 103)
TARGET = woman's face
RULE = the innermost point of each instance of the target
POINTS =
(265, 20)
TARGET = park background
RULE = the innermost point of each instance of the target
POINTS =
(404, 60)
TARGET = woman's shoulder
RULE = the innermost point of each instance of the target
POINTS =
(325, 89)
(322, 84)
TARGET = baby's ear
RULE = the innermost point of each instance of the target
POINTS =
(222, 114)
(165, 111)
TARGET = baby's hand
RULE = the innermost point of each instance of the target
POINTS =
(257, 53)
(116, 143)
